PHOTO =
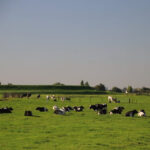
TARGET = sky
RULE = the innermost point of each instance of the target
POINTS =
(99, 41)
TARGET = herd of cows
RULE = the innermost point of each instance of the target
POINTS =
(101, 109)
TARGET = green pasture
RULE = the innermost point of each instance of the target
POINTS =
(76, 130)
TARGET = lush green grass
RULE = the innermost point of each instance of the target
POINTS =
(76, 130)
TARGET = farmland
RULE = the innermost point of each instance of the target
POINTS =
(76, 130)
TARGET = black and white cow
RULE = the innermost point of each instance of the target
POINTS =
(58, 110)
(112, 99)
(141, 113)
(131, 113)
(78, 108)
(117, 110)
(6, 110)
(98, 107)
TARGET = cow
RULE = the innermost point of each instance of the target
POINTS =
(42, 109)
(102, 111)
(67, 109)
(28, 113)
(112, 99)
(78, 109)
(58, 110)
(6, 110)
(117, 110)
(65, 98)
(141, 113)
(47, 97)
(131, 113)
(38, 96)
(23, 95)
(55, 108)
(97, 107)
(53, 98)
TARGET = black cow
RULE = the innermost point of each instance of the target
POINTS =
(24, 95)
(42, 109)
(102, 111)
(28, 113)
(29, 95)
(38, 96)
(131, 113)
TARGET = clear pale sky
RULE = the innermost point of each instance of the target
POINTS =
(99, 41)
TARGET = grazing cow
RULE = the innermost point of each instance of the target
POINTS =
(111, 99)
(131, 113)
(141, 113)
(29, 95)
(24, 95)
(53, 98)
(47, 97)
(38, 96)
(42, 109)
(117, 110)
(78, 109)
(6, 110)
(28, 113)
(97, 107)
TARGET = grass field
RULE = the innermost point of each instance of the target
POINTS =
(75, 130)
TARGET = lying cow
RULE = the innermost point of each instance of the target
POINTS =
(141, 113)
(131, 113)
(28, 113)
(6, 110)
(42, 109)
(78, 109)
(117, 110)
(102, 112)
(67, 109)
(97, 107)
(58, 110)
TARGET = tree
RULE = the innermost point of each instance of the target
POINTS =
(86, 83)
(58, 84)
(116, 89)
(100, 87)
(82, 83)
(129, 89)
